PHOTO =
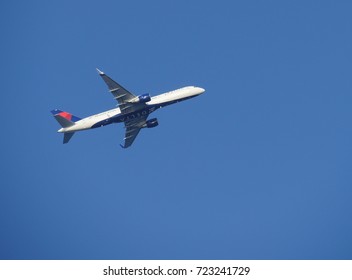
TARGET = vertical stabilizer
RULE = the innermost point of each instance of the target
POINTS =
(65, 119)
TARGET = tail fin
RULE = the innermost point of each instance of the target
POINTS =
(65, 119)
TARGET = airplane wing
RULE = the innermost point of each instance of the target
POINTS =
(132, 129)
(121, 94)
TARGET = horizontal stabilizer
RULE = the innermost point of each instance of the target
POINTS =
(68, 136)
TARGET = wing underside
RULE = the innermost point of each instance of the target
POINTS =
(123, 97)
(132, 129)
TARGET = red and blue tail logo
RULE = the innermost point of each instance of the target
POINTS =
(66, 115)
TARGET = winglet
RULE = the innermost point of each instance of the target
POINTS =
(123, 147)
(100, 72)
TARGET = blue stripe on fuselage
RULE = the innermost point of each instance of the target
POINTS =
(130, 116)
(127, 117)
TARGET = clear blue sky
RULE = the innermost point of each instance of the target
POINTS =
(258, 167)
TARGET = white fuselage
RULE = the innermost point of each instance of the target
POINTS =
(156, 102)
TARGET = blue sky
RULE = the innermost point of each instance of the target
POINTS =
(259, 167)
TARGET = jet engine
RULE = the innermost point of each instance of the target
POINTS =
(151, 123)
(144, 98)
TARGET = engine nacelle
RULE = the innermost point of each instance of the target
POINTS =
(151, 123)
(144, 98)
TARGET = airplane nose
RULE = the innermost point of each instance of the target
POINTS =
(201, 90)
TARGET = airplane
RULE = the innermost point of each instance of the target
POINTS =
(132, 110)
